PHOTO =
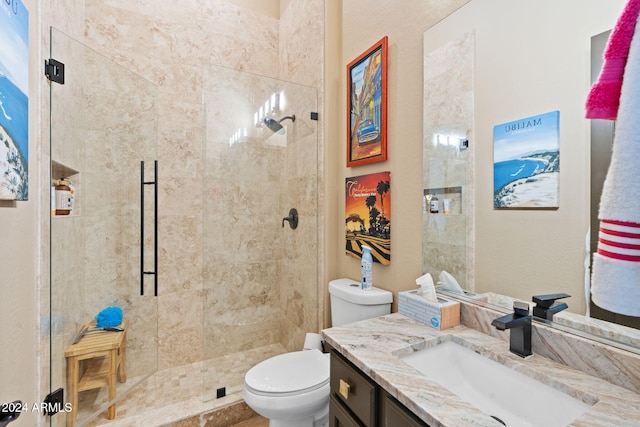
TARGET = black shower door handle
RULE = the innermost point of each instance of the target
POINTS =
(155, 228)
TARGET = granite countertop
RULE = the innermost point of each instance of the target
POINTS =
(375, 345)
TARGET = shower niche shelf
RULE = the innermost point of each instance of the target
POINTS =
(62, 171)
(453, 194)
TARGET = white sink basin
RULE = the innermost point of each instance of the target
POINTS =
(495, 389)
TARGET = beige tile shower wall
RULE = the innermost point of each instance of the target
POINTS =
(66, 16)
(301, 42)
(448, 110)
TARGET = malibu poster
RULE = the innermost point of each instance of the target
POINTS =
(526, 162)
(14, 101)
(368, 215)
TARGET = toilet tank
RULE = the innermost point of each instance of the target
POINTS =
(349, 303)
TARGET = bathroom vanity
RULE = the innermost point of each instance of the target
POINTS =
(367, 361)
(357, 400)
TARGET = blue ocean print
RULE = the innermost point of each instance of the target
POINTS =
(14, 100)
(511, 170)
(526, 162)
(14, 115)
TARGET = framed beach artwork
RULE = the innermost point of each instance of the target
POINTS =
(526, 162)
(368, 215)
(14, 101)
(367, 106)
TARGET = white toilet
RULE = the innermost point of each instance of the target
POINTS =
(292, 389)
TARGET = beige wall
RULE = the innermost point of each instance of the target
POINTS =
(333, 106)
(364, 22)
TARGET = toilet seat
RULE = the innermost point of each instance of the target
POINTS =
(288, 374)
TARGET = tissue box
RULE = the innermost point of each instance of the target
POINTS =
(441, 315)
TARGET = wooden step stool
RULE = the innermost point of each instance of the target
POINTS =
(93, 362)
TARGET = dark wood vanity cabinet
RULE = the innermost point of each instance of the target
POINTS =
(357, 401)
(353, 392)
(394, 414)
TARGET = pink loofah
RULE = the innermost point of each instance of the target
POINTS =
(604, 98)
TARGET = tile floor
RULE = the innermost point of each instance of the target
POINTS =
(181, 393)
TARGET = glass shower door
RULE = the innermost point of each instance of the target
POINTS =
(103, 126)
(260, 272)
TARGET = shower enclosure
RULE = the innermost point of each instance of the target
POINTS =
(257, 276)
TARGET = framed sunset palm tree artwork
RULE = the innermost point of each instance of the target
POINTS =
(368, 215)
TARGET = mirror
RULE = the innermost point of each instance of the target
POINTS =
(494, 62)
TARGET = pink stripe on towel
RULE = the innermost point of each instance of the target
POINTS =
(603, 99)
(619, 240)
(635, 247)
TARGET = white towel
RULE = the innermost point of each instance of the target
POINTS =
(615, 278)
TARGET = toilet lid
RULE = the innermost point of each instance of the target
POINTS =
(289, 372)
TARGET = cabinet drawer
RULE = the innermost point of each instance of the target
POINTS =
(353, 389)
(394, 414)
(338, 415)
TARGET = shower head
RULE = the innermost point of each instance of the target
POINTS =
(274, 125)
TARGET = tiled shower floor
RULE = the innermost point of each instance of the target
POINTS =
(173, 394)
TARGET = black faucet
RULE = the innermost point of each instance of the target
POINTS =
(546, 305)
(520, 324)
